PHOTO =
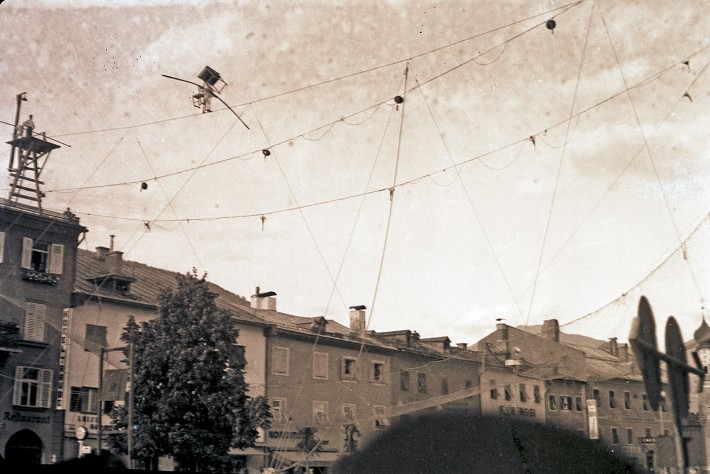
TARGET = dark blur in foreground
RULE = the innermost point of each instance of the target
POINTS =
(464, 443)
(440, 443)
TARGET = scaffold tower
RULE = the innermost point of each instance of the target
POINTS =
(33, 151)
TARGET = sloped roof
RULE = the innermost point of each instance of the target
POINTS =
(147, 283)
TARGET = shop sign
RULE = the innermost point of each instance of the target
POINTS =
(647, 440)
(20, 418)
(592, 418)
(516, 411)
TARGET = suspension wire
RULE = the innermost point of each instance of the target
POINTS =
(648, 148)
(559, 168)
(468, 196)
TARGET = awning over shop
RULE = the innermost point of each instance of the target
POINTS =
(320, 459)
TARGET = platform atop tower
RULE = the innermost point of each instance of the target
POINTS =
(33, 144)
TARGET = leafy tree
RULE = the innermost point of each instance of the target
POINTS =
(190, 397)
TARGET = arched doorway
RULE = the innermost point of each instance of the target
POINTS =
(24, 447)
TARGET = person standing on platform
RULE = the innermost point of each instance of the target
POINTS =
(29, 126)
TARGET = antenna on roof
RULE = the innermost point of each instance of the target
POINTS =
(212, 85)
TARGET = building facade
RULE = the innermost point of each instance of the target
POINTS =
(37, 267)
(107, 292)
(594, 392)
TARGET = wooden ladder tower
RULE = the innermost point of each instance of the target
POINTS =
(33, 153)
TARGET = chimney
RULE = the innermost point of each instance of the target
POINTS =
(114, 260)
(502, 341)
(110, 247)
(462, 345)
(551, 330)
(613, 347)
(101, 253)
(623, 352)
(358, 321)
(263, 300)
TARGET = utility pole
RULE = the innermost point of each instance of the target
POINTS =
(20, 97)
(131, 357)
(100, 430)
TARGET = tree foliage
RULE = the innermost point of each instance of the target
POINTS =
(190, 397)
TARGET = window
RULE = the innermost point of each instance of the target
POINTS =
(552, 402)
(122, 286)
(645, 402)
(108, 406)
(536, 394)
(83, 400)
(404, 381)
(467, 384)
(238, 357)
(33, 387)
(444, 386)
(507, 393)
(35, 314)
(565, 403)
(2, 247)
(523, 393)
(320, 365)
(320, 412)
(378, 372)
(277, 409)
(95, 337)
(42, 257)
(578, 403)
(348, 413)
(647, 433)
(612, 399)
(629, 436)
(494, 390)
(279, 361)
(627, 400)
(421, 383)
(348, 369)
(614, 436)
(381, 421)
(596, 396)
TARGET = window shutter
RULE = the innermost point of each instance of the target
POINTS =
(26, 253)
(56, 259)
(17, 394)
(34, 322)
(2, 247)
(45, 388)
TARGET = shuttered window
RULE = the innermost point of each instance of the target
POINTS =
(42, 256)
(33, 387)
(56, 259)
(320, 365)
(35, 314)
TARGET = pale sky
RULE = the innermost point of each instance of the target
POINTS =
(484, 221)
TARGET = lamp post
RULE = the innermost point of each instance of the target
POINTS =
(129, 433)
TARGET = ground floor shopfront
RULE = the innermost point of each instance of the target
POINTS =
(28, 437)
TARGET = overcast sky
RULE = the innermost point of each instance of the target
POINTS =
(528, 174)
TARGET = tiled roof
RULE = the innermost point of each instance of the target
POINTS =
(146, 284)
